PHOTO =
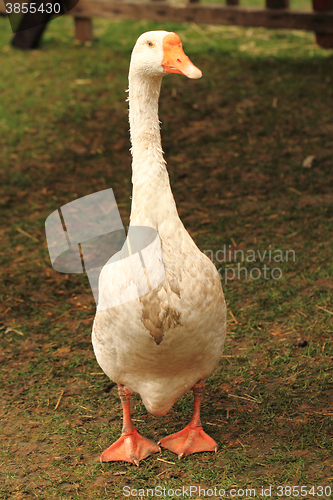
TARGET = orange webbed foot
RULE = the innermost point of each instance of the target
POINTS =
(189, 440)
(130, 447)
(192, 439)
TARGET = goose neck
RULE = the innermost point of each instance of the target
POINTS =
(152, 199)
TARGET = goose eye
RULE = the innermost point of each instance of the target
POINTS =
(150, 44)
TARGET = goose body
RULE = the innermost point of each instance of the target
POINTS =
(162, 343)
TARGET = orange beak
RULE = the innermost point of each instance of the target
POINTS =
(175, 60)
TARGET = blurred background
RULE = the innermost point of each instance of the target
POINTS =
(249, 151)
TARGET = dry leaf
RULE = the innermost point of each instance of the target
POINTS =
(308, 162)
(62, 351)
(82, 81)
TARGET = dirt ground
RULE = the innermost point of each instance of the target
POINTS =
(235, 143)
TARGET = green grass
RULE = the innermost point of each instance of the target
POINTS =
(235, 142)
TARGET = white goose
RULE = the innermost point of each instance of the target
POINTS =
(170, 340)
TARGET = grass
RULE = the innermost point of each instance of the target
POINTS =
(235, 142)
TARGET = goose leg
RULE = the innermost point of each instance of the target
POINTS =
(192, 438)
(131, 446)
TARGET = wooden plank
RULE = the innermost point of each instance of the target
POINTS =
(83, 29)
(323, 39)
(232, 2)
(205, 14)
(277, 4)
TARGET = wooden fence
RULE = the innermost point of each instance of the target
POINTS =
(276, 14)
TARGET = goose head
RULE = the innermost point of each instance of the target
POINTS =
(157, 53)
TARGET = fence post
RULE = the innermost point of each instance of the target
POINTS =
(277, 4)
(322, 39)
(83, 29)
